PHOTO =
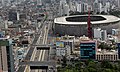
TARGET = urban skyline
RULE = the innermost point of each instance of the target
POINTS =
(59, 35)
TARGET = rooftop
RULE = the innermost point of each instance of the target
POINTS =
(107, 52)
(105, 19)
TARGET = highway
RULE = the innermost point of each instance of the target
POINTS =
(42, 55)
(41, 38)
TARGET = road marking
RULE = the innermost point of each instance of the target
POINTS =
(42, 52)
(43, 55)
(40, 55)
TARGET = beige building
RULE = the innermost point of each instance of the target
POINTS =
(6, 57)
(107, 55)
(3, 58)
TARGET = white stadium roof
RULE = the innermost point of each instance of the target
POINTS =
(109, 19)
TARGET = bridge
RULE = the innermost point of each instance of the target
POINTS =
(38, 63)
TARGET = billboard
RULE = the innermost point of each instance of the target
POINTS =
(4, 43)
(60, 44)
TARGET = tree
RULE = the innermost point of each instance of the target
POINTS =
(85, 70)
(78, 65)
(92, 64)
(87, 62)
(107, 70)
(92, 70)
(119, 66)
(104, 46)
(64, 61)
(106, 64)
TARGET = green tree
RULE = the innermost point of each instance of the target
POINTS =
(104, 46)
(107, 70)
(91, 64)
(85, 70)
(78, 65)
(106, 64)
(91, 69)
(64, 61)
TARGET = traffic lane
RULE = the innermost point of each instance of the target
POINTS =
(46, 58)
(37, 55)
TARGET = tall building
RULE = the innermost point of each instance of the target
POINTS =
(119, 3)
(100, 34)
(5, 2)
(79, 7)
(66, 9)
(84, 7)
(115, 31)
(39, 2)
(96, 6)
(100, 7)
(63, 8)
(104, 35)
(13, 16)
(118, 45)
(107, 7)
(6, 56)
(87, 50)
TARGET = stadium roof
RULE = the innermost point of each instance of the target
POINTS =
(108, 19)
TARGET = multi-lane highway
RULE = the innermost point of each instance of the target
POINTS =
(41, 37)
(42, 55)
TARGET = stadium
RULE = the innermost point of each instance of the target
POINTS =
(77, 25)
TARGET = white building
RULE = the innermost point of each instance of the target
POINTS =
(100, 7)
(79, 7)
(5, 2)
(115, 31)
(39, 2)
(118, 1)
(97, 33)
(61, 7)
(72, 5)
(96, 6)
(68, 50)
(107, 55)
(66, 9)
(84, 7)
(60, 51)
(100, 34)
(104, 35)
(107, 7)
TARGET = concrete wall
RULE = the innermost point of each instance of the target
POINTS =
(79, 30)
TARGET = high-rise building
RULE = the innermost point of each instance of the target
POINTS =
(87, 50)
(118, 45)
(103, 35)
(119, 3)
(5, 2)
(115, 31)
(6, 56)
(107, 7)
(13, 16)
(96, 6)
(39, 2)
(66, 9)
(100, 34)
(79, 8)
(100, 7)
